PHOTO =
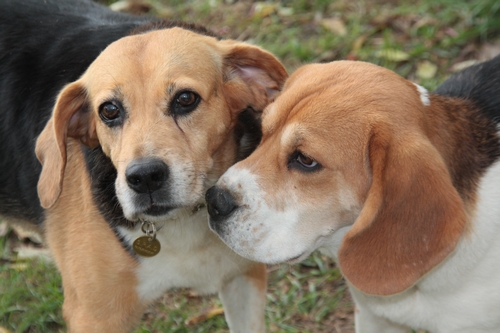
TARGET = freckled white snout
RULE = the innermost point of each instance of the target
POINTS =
(220, 204)
(246, 222)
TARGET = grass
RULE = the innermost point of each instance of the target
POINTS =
(420, 40)
(31, 297)
(301, 298)
(404, 36)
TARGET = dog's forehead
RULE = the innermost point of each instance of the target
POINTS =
(336, 94)
(156, 54)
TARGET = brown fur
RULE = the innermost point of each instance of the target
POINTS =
(142, 71)
(412, 169)
(98, 277)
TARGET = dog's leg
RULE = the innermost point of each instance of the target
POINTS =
(93, 309)
(244, 300)
(367, 322)
(98, 279)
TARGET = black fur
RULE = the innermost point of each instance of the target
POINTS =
(479, 84)
(248, 132)
(477, 144)
(45, 44)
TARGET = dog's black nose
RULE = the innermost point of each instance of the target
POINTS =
(146, 175)
(220, 203)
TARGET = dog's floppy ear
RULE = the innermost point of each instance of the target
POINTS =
(253, 76)
(411, 220)
(71, 117)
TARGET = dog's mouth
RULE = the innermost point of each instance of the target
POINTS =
(297, 259)
(158, 210)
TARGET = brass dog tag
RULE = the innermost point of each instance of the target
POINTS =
(146, 246)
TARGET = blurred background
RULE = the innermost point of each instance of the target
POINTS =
(424, 41)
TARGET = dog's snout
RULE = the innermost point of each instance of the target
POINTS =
(146, 175)
(220, 203)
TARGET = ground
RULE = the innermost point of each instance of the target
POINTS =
(424, 41)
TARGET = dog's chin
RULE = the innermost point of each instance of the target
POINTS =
(152, 213)
(299, 258)
(278, 257)
(307, 252)
(158, 211)
(290, 260)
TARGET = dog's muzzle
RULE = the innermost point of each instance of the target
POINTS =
(149, 179)
(146, 175)
(220, 204)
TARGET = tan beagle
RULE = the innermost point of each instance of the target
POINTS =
(128, 152)
(400, 186)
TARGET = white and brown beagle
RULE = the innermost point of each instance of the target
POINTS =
(400, 186)
(132, 119)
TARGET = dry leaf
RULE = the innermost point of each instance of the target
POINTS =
(24, 232)
(4, 229)
(463, 65)
(488, 51)
(136, 7)
(426, 70)
(285, 11)
(204, 316)
(358, 43)
(335, 25)
(262, 9)
(19, 266)
(393, 55)
(31, 252)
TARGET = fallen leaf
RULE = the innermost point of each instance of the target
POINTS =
(326, 56)
(451, 32)
(488, 51)
(285, 11)
(358, 43)
(351, 56)
(25, 232)
(4, 330)
(204, 316)
(136, 7)
(4, 229)
(262, 9)
(427, 20)
(392, 55)
(335, 25)
(19, 266)
(426, 70)
(31, 252)
(463, 65)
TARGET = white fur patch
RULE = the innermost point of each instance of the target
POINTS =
(270, 230)
(257, 230)
(424, 95)
(463, 289)
(191, 256)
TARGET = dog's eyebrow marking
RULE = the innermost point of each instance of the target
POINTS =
(116, 94)
(171, 89)
(291, 135)
(424, 94)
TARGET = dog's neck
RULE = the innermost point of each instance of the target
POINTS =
(466, 137)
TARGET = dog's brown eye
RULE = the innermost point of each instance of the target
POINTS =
(302, 162)
(110, 113)
(306, 161)
(186, 98)
(184, 102)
